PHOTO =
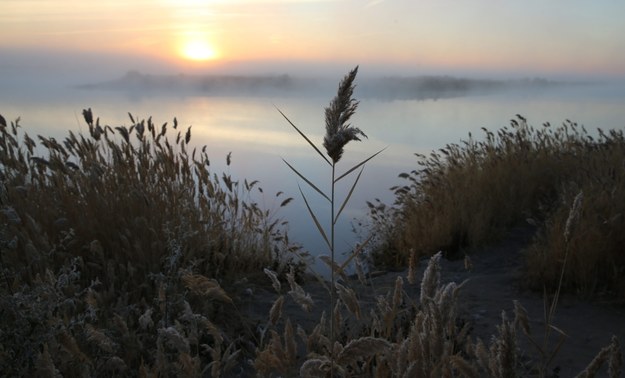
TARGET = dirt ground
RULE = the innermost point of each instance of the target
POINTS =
(493, 283)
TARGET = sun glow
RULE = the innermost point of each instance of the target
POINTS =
(198, 50)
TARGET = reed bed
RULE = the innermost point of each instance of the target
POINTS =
(114, 249)
(467, 195)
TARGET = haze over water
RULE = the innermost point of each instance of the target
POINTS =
(47, 48)
(258, 137)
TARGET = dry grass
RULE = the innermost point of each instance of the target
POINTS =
(405, 337)
(466, 195)
(114, 249)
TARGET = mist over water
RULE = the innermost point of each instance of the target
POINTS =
(253, 130)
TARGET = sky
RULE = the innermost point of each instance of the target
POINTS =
(473, 37)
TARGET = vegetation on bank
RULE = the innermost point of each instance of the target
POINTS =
(116, 247)
(123, 254)
(466, 195)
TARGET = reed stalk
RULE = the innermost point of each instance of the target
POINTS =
(339, 132)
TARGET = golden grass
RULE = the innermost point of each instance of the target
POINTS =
(466, 195)
(114, 249)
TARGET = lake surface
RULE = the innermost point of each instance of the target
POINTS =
(258, 137)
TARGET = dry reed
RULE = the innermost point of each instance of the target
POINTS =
(339, 132)
(466, 195)
(114, 247)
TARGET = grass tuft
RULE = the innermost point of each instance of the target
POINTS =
(467, 195)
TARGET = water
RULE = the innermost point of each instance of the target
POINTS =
(259, 138)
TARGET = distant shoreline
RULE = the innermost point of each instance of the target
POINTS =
(383, 88)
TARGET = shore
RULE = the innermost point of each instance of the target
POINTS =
(494, 281)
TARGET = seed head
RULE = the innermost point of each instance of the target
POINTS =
(574, 215)
(338, 113)
(86, 113)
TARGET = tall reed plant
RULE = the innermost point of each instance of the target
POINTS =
(339, 132)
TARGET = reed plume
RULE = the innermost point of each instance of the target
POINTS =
(338, 113)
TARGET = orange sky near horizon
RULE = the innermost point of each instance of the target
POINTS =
(533, 36)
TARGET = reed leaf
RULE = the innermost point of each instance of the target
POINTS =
(334, 266)
(307, 181)
(356, 251)
(358, 165)
(314, 217)
(349, 195)
(304, 136)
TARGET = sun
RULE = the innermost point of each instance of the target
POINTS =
(198, 50)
